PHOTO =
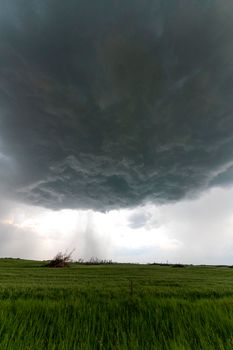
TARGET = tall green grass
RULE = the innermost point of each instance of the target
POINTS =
(115, 307)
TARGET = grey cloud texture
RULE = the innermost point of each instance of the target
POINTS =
(20, 243)
(109, 104)
(139, 219)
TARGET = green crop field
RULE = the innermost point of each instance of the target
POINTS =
(115, 307)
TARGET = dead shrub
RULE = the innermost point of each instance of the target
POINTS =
(60, 260)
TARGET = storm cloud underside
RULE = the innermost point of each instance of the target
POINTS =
(109, 104)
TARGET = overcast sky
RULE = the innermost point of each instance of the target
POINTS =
(116, 129)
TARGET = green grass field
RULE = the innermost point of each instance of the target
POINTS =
(115, 307)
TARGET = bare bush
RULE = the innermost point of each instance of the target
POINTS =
(61, 260)
(178, 265)
(94, 261)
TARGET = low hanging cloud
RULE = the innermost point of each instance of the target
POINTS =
(106, 105)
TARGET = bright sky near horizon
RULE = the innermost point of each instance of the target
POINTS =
(190, 231)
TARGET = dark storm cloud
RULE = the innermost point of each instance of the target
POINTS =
(109, 103)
